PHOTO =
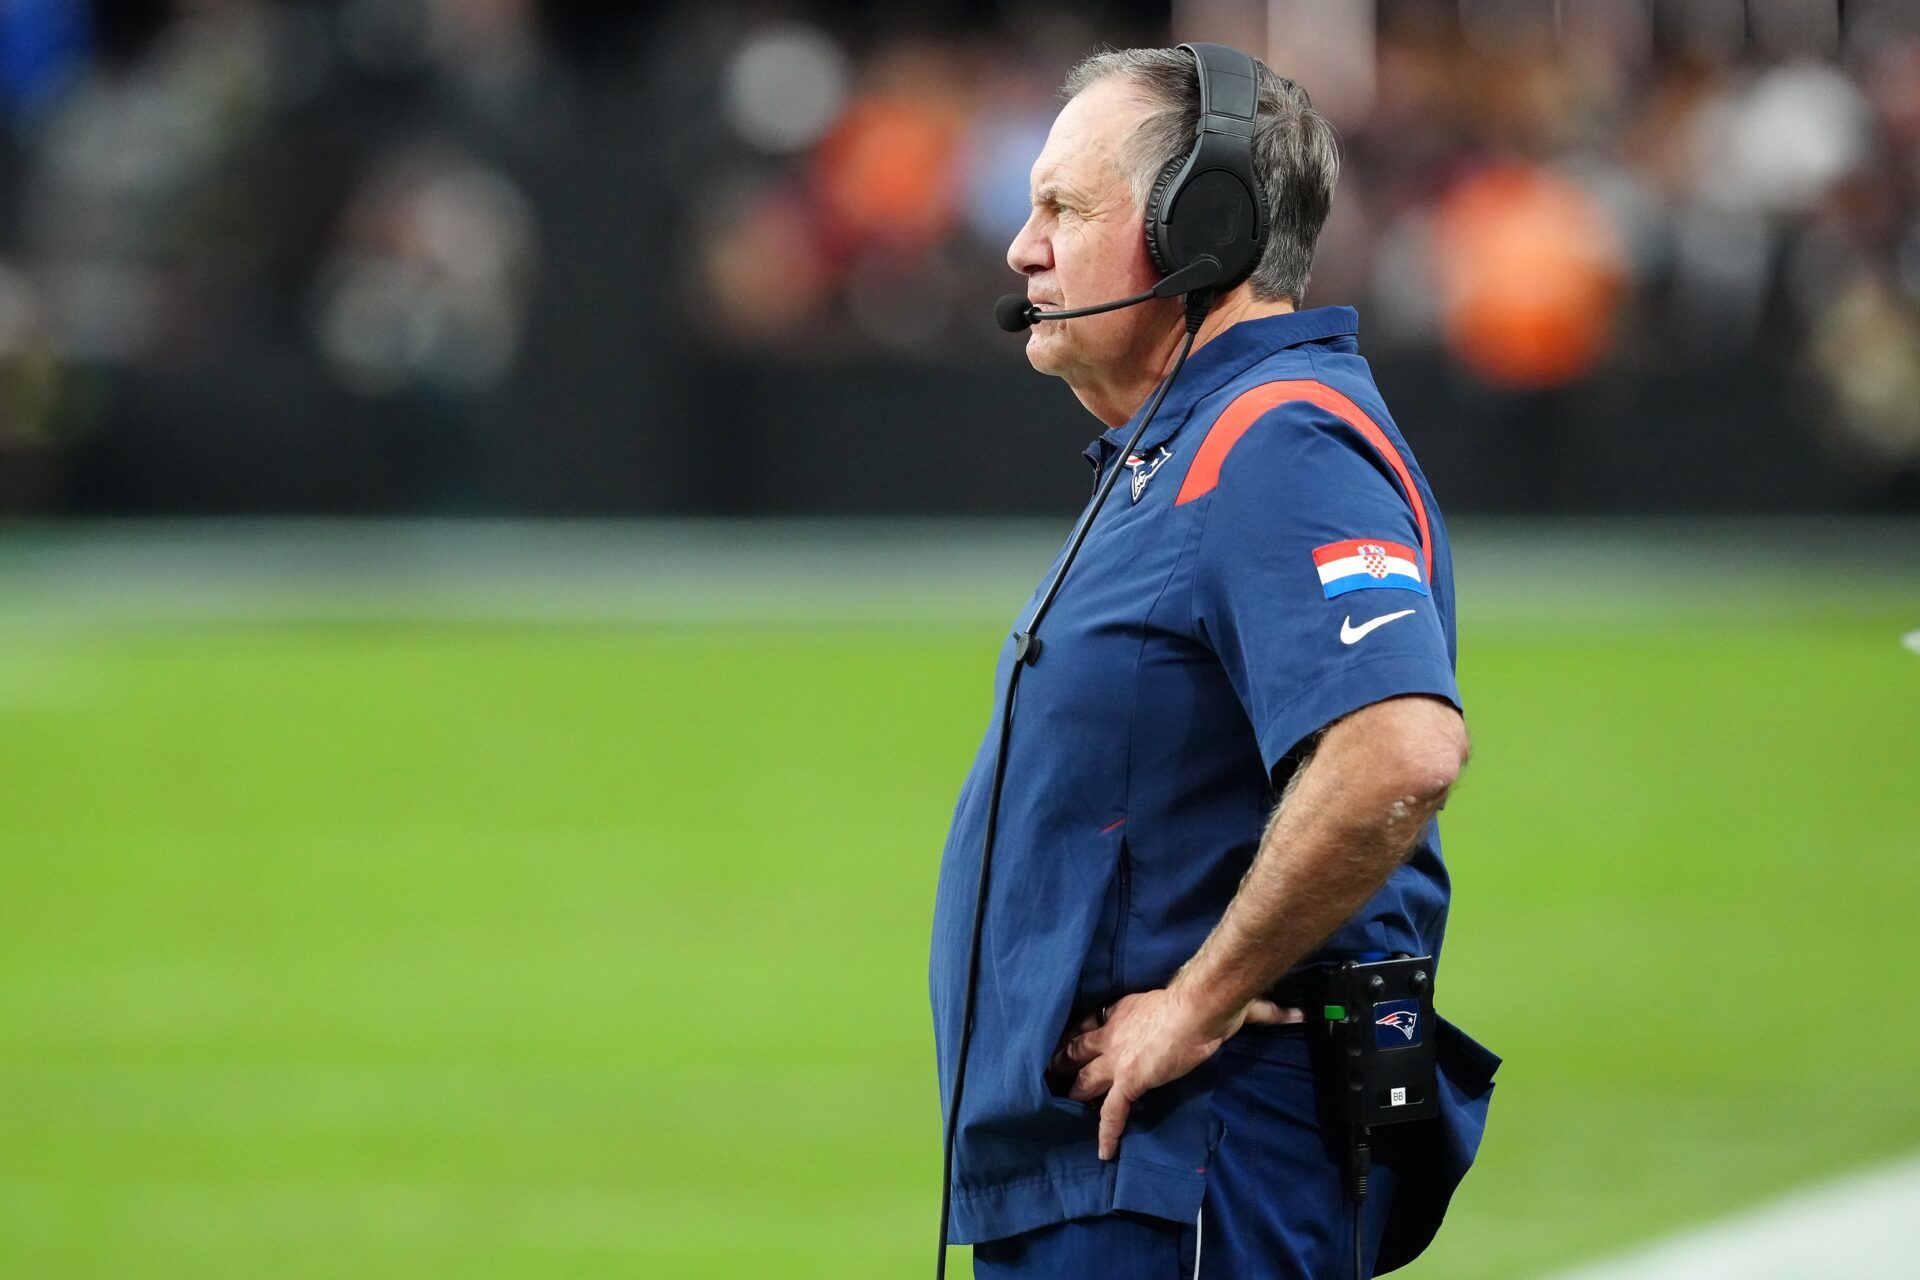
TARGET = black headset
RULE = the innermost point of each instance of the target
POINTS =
(1209, 202)
(1207, 222)
(1206, 229)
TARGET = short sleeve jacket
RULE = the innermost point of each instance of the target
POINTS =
(1271, 560)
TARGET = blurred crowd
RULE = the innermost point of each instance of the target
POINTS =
(1539, 190)
(433, 254)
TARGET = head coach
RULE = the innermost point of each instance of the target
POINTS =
(1216, 767)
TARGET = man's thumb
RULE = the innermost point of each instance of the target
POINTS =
(1268, 1014)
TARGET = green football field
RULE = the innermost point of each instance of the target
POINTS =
(401, 948)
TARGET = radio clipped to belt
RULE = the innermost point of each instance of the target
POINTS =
(1370, 1025)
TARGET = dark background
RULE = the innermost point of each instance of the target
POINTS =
(490, 257)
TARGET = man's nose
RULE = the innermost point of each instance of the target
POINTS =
(1030, 251)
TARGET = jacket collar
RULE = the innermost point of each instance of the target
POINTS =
(1226, 356)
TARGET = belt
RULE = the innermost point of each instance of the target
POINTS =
(1306, 985)
(1301, 989)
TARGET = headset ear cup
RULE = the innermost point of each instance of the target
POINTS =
(1157, 213)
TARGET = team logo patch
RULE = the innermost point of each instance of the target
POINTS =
(1396, 1023)
(1143, 469)
(1367, 562)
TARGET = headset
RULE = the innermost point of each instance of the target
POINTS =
(1206, 228)
(1210, 202)
(1206, 218)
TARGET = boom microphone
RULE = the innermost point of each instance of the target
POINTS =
(1010, 313)
(1014, 313)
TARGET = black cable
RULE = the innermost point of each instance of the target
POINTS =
(1361, 1162)
(1032, 651)
(1026, 652)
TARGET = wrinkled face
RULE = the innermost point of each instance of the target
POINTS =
(1084, 243)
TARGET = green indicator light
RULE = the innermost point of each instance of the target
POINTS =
(1335, 1012)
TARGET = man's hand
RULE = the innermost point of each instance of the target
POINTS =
(1149, 1038)
(1352, 812)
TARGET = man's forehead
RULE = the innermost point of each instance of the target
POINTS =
(1083, 147)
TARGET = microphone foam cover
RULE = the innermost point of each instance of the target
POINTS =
(1012, 313)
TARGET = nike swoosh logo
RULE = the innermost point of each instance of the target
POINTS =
(1350, 634)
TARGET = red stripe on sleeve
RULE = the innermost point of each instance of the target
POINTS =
(1204, 475)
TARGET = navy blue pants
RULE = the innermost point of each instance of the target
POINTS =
(1275, 1205)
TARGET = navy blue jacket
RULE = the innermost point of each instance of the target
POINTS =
(1272, 561)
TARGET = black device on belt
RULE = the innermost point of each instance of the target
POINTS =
(1370, 1026)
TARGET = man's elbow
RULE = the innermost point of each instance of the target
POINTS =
(1431, 759)
(1410, 750)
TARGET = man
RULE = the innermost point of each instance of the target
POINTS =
(1263, 613)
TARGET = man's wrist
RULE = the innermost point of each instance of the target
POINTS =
(1209, 1004)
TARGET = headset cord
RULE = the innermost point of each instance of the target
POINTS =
(1361, 1163)
(1030, 649)
(1026, 651)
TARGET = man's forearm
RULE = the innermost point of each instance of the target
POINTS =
(1350, 817)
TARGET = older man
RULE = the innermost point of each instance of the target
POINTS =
(1225, 763)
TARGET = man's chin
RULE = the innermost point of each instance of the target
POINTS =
(1044, 351)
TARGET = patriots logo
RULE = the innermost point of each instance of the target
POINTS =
(1143, 469)
(1401, 1020)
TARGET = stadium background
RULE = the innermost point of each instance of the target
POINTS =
(508, 508)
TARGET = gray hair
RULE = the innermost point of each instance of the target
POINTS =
(1294, 152)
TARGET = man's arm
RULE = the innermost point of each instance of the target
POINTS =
(1354, 812)
(1349, 818)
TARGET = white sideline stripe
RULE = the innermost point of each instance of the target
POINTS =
(1859, 1226)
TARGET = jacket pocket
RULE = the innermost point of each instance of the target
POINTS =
(1117, 960)
(1103, 969)
(1469, 1065)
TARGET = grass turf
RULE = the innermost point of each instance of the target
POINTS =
(398, 950)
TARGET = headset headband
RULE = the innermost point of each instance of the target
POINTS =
(1227, 94)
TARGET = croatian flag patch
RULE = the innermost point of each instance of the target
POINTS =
(1366, 562)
